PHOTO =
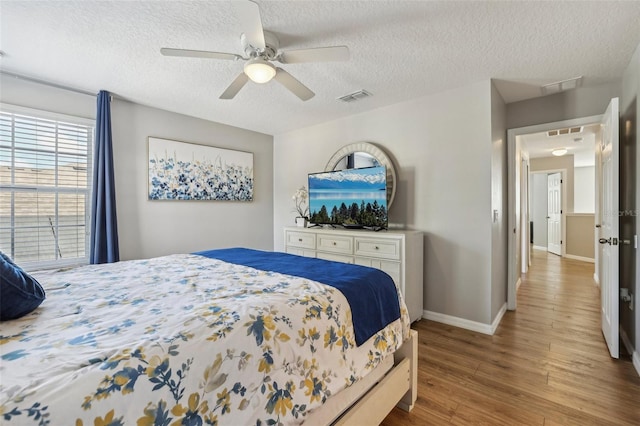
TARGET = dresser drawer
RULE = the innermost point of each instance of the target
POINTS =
(301, 252)
(301, 239)
(391, 268)
(335, 243)
(377, 248)
(335, 257)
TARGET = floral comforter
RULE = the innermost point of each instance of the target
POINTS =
(181, 339)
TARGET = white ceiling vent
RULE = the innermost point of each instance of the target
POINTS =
(567, 131)
(561, 86)
(355, 96)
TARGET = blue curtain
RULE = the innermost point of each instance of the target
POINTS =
(104, 227)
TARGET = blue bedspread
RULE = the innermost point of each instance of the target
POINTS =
(370, 292)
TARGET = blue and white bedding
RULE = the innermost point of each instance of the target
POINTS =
(182, 339)
(371, 293)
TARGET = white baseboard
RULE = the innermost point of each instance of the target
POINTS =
(627, 344)
(498, 318)
(625, 340)
(581, 258)
(540, 248)
(518, 284)
(465, 323)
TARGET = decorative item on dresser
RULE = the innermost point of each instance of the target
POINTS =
(398, 253)
(301, 201)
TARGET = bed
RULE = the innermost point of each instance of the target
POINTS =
(231, 336)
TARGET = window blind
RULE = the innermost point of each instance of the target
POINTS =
(45, 163)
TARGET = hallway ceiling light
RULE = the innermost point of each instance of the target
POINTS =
(559, 152)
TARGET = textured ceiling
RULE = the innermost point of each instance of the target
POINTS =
(399, 50)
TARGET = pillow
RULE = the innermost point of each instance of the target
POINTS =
(20, 293)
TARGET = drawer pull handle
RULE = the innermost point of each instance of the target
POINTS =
(334, 243)
(300, 239)
(377, 248)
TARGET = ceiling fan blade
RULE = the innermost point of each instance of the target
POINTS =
(166, 51)
(249, 15)
(235, 87)
(318, 54)
(294, 86)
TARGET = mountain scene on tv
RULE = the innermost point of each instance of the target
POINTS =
(354, 197)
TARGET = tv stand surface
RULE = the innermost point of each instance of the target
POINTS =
(352, 226)
(398, 253)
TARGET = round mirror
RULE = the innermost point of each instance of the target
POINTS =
(364, 154)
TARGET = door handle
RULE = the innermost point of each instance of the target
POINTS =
(605, 241)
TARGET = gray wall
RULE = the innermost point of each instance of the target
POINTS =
(154, 228)
(629, 225)
(149, 228)
(441, 145)
(499, 225)
(38, 96)
(582, 102)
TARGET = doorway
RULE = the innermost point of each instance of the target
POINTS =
(546, 210)
(517, 209)
(554, 213)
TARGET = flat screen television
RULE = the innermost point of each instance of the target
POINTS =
(353, 198)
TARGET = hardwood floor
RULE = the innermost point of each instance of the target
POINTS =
(547, 363)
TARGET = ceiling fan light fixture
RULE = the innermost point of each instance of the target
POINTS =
(259, 70)
(559, 152)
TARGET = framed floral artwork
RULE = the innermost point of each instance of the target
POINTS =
(187, 171)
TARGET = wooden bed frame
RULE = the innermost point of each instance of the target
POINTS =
(398, 387)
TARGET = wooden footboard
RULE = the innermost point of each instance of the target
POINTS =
(398, 387)
(409, 351)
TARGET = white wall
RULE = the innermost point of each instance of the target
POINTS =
(155, 228)
(441, 146)
(584, 193)
(539, 209)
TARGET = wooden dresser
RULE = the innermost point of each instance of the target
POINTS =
(398, 253)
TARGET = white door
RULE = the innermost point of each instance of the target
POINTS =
(608, 238)
(554, 213)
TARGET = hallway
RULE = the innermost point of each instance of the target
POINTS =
(547, 363)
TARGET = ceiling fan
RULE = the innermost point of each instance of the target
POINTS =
(260, 51)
